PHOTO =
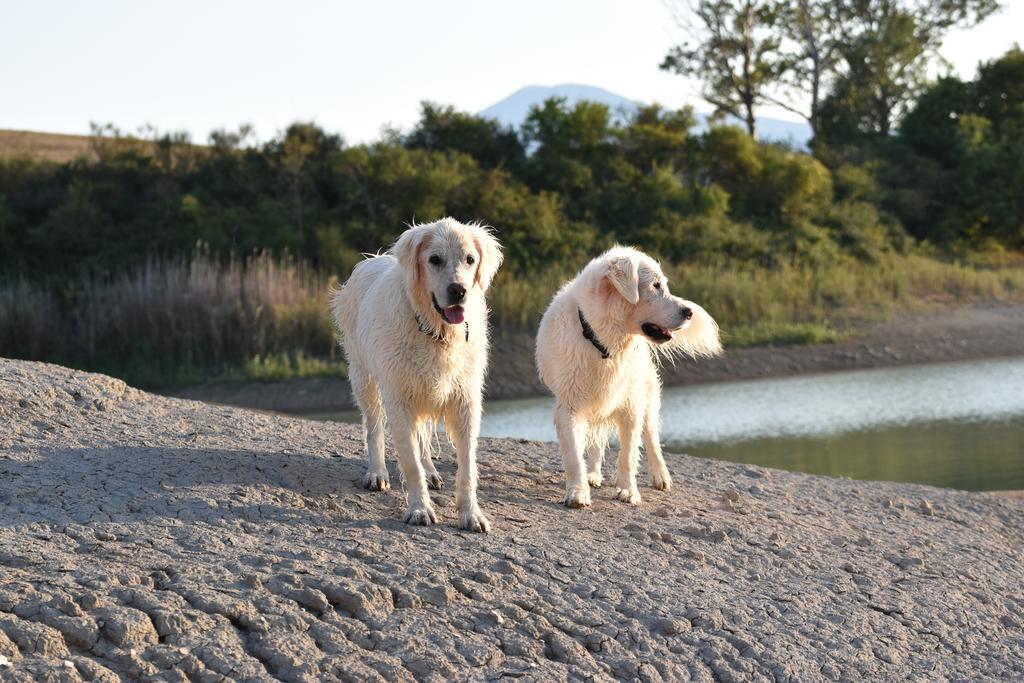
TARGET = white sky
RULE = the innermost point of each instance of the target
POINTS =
(350, 66)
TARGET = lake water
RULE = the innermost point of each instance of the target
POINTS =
(957, 424)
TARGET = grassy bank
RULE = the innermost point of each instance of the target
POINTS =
(808, 305)
(792, 304)
(181, 321)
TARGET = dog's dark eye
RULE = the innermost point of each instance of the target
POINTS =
(657, 285)
(470, 260)
(435, 260)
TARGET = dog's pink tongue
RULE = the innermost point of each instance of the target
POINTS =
(454, 314)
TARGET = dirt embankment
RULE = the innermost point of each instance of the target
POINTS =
(143, 536)
(957, 333)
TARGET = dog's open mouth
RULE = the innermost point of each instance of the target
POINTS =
(656, 333)
(453, 315)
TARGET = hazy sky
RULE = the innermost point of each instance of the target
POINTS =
(350, 66)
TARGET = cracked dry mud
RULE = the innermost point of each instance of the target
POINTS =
(147, 537)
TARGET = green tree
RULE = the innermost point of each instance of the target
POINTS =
(734, 50)
(303, 156)
(442, 128)
(1000, 92)
(962, 152)
(885, 48)
(571, 150)
(812, 31)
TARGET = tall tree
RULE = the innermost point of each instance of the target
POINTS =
(813, 37)
(964, 151)
(882, 51)
(734, 50)
(856, 65)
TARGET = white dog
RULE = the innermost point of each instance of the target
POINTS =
(414, 328)
(595, 351)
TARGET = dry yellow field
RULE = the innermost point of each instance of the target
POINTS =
(48, 146)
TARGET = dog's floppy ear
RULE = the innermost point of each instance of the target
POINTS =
(407, 250)
(624, 274)
(490, 255)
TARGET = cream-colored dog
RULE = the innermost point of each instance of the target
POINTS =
(414, 328)
(596, 351)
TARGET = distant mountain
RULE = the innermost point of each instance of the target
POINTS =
(512, 111)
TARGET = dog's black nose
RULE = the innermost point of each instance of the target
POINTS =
(456, 292)
(687, 313)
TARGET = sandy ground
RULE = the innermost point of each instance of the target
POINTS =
(929, 336)
(142, 536)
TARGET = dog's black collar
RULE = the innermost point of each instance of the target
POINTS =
(588, 334)
(435, 335)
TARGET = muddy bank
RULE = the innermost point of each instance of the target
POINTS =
(956, 333)
(142, 536)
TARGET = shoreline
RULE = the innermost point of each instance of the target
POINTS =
(960, 333)
(147, 537)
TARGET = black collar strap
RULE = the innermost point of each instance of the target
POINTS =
(436, 336)
(588, 334)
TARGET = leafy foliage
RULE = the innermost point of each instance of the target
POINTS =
(852, 68)
(957, 166)
(734, 49)
(99, 256)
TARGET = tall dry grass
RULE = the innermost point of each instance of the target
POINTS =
(264, 317)
(803, 304)
(30, 321)
(178, 320)
(790, 303)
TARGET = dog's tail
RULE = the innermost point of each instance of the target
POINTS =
(598, 435)
(426, 435)
(336, 304)
(698, 339)
(344, 299)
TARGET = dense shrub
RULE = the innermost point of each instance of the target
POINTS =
(586, 182)
(98, 261)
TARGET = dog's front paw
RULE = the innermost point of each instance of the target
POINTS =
(631, 495)
(420, 515)
(577, 496)
(595, 479)
(376, 481)
(661, 480)
(474, 520)
(434, 481)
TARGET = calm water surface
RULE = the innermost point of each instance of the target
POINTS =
(957, 424)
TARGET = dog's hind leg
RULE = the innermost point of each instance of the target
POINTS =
(629, 453)
(572, 439)
(425, 435)
(656, 468)
(597, 441)
(368, 399)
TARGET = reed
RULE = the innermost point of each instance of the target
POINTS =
(178, 321)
